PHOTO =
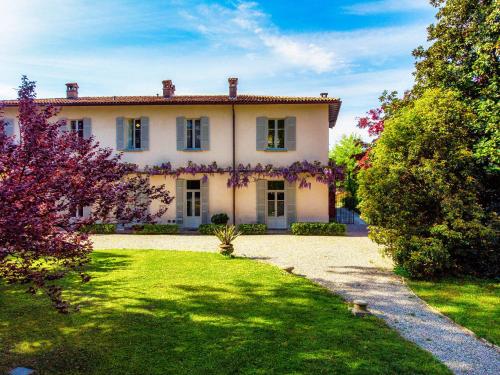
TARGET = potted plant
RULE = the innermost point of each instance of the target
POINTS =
(226, 236)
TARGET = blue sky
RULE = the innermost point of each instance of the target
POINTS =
(350, 49)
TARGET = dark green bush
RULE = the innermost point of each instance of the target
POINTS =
(219, 219)
(318, 229)
(209, 228)
(252, 228)
(156, 229)
(99, 228)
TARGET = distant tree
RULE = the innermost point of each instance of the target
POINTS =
(44, 176)
(421, 195)
(345, 154)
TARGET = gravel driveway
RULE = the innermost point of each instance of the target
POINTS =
(352, 267)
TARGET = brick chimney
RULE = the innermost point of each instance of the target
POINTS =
(233, 88)
(72, 90)
(168, 88)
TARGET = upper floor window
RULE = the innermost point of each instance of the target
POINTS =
(276, 134)
(193, 134)
(77, 127)
(134, 134)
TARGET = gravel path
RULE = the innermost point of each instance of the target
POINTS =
(352, 267)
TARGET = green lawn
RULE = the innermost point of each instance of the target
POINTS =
(162, 312)
(472, 303)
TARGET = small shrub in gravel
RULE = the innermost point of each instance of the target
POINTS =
(318, 229)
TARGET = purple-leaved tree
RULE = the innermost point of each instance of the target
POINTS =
(45, 174)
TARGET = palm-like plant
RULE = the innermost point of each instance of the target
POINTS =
(226, 236)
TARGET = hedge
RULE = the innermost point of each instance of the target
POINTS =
(155, 229)
(252, 228)
(318, 229)
(209, 228)
(99, 228)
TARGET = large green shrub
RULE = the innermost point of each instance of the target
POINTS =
(209, 228)
(156, 229)
(252, 228)
(99, 228)
(318, 229)
(421, 195)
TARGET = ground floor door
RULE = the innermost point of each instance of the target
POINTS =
(192, 204)
(276, 203)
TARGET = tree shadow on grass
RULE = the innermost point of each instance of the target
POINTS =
(279, 325)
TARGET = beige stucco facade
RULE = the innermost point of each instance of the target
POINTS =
(311, 145)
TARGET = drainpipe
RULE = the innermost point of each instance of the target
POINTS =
(234, 164)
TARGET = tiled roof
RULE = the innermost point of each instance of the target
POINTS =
(334, 103)
(177, 100)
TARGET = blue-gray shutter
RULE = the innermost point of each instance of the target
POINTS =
(291, 202)
(205, 133)
(291, 133)
(120, 133)
(205, 219)
(261, 201)
(180, 187)
(87, 128)
(180, 125)
(262, 126)
(66, 127)
(145, 133)
(8, 127)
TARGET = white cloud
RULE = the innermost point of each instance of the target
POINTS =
(387, 6)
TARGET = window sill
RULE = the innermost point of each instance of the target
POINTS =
(193, 150)
(134, 150)
(270, 149)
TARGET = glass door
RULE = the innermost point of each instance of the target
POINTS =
(192, 214)
(276, 205)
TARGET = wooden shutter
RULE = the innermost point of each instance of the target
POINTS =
(261, 201)
(205, 133)
(180, 187)
(291, 202)
(180, 124)
(87, 128)
(290, 133)
(261, 133)
(204, 202)
(145, 133)
(120, 133)
(8, 127)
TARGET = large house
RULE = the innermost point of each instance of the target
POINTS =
(179, 137)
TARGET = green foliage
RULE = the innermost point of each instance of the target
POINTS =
(318, 229)
(226, 236)
(463, 55)
(472, 303)
(221, 218)
(99, 228)
(209, 229)
(421, 194)
(156, 229)
(343, 154)
(180, 312)
(252, 228)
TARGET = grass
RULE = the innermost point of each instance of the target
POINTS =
(472, 303)
(165, 312)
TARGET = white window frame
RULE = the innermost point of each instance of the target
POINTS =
(194, 122)
(276, 132)
(127, 134)
(77, 123)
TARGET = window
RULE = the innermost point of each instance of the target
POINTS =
(78, 211)
(77, 127)
(193, 134)
(276, 134)
(134, 134)
(275, 198)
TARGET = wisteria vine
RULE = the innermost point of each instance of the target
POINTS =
(299, 171)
